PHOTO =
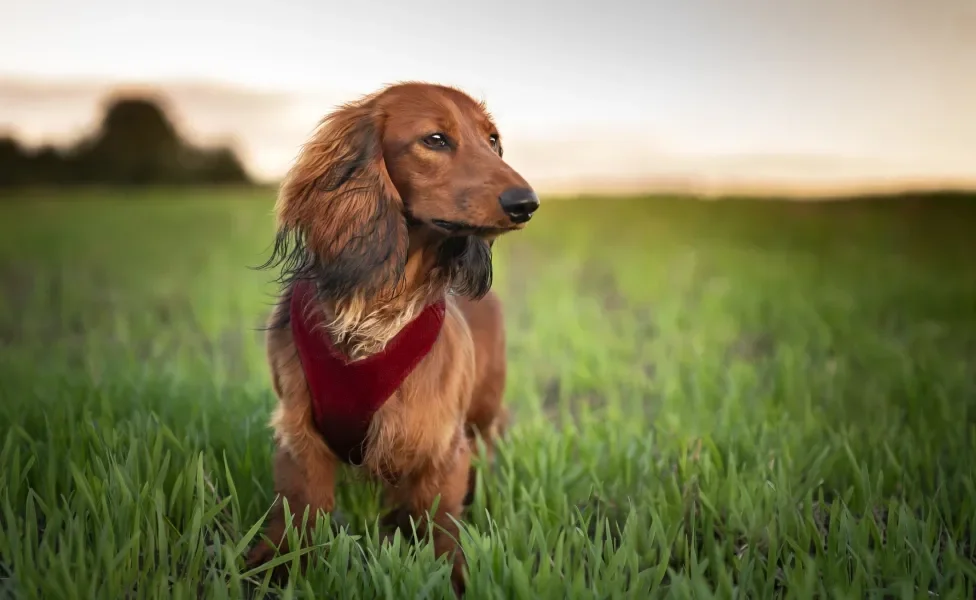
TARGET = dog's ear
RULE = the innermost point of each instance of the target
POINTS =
(340, 218)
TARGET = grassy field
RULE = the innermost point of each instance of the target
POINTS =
(736, 399)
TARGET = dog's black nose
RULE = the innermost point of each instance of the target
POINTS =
(519, 204)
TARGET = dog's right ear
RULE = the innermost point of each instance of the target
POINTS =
(340, 218)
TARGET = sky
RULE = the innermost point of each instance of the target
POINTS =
(788, 92)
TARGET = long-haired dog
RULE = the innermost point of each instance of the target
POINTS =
(387, 349)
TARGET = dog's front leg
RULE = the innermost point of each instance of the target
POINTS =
(450, 484)
(305, 474)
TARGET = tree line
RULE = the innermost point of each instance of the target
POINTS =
(135, 144)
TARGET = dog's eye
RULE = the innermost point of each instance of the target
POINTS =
(493, 140)
(437, 141)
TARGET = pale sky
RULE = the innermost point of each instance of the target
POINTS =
(792, 91)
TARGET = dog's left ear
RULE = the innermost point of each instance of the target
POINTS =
(340, 218)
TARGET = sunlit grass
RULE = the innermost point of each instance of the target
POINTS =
(710, 399)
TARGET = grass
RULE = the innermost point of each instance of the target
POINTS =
(742, 399)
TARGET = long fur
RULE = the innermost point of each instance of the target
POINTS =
(356, 253)
(463, 265)
(376, 261)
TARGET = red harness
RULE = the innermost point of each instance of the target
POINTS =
(345, 395)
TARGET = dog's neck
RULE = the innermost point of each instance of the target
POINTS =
(361, 326)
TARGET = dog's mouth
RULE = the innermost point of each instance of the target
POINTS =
(462, 228)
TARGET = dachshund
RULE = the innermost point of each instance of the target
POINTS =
(387, 348)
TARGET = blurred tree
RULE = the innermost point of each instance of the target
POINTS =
(223, 166)
(49, 165)
(135, 144)
(14, 162)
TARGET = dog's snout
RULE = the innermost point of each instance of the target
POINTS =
(519, 203)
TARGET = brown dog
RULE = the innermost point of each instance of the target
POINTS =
(387, 350)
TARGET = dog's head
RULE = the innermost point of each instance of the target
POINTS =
(411, 162)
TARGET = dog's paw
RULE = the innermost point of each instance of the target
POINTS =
(459, 586)
(338, 521)
(458, 581)
(261, 554)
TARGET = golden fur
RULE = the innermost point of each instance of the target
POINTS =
(385, 220)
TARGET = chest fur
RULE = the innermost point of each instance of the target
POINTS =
(347, 396)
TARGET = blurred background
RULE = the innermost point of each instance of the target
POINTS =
(804, 97)
(759, 395)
